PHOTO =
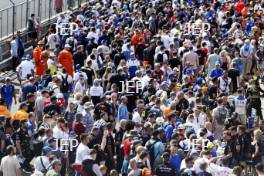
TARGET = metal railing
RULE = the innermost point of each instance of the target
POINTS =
(15, 17)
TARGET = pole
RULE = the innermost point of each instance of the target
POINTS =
(14, 12)
(49, 10)
(27, 13)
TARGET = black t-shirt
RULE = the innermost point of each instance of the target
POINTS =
(233, 74)
(212, 91)
(79, 58)
(245, 146)
(52, 107)
(158, 75)
(24, 138)
(117, 79)
(90, 47)
(131, 101)
(89, 73)
(30, 106)
(260, 54)
(93, 140)
(183, 104)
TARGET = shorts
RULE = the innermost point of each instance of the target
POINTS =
(242, 118)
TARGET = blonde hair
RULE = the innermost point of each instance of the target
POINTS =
(113, 172)
(257, 135)
(102, 168)
(139, 149)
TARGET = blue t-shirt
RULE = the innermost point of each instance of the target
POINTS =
(169, 132)
(28, 88)
(216, 73)
(7, 92)
(175, 162)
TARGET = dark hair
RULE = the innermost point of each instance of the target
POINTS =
(85, 99)
(130, 125)
(10, 149)
(83, 136)
(61, 120)
(171, 115)
(188, 159)
(143, 154)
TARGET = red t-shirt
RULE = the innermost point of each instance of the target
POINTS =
(127, 147)
(78, 128)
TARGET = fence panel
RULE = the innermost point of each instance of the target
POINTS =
(22, 12)
(43, 9)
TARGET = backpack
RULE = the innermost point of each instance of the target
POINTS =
(37, 146)
(222, 115)
(151, 148)
(44, 81)
(65, 87)
(160, 58)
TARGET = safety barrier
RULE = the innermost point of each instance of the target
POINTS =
(15, 18)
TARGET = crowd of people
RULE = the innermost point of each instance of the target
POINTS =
(139, 88)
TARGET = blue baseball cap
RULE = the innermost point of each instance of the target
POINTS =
(217, 63)
(200, 80)
(46, 149)
(188, 71)
(172, 75)
(51, 139)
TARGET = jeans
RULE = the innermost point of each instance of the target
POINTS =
(124, 169)
(66, 97)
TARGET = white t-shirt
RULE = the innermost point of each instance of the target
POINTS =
(76, 75)
(79, 88)
(96, 91)
(50, 63)
(59, 134)
(240, 105)
(53, 39)
(82, 153)
(136, 117)
(25, 68)
(145, 80)
(166, 40)
(9, 165)
(39, 166)
(212, 168)
(93, 35)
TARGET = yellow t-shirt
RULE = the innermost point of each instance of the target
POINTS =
(166, 112)
(20, 115)
(4, 111)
